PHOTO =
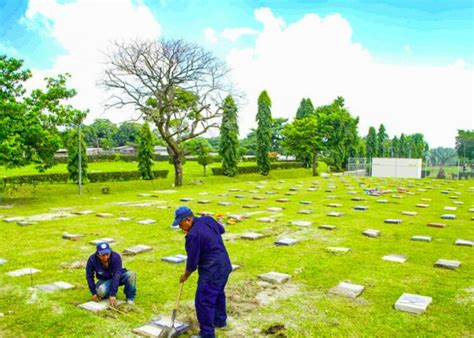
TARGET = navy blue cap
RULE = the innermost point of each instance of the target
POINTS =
(181, 213)
(103, 248)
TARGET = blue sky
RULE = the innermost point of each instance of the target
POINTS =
(399, 62)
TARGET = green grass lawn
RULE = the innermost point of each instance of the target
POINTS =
(301, 307)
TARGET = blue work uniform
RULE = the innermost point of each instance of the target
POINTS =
(207, 253)
(110, 278)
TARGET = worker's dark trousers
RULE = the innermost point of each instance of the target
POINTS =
(210, 304)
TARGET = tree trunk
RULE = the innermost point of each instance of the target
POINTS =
(315, 163)
(178, 170)
(204, 170)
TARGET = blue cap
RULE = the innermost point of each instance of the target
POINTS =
(103, 248)
(181, 213)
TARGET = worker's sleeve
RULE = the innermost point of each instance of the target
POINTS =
(221, 228)
(90, 276)
(116, 267)
(193, 249)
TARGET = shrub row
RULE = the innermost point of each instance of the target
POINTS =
(92, 177)
(254, 168)
(113, 158)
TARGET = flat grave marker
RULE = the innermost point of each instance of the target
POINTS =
(165, 322)
(361, 207)
(337, 250)
(463, 242)
(149, 331)
(22, 272)
(124, 219)
(252, 236)
(347, 289)
(175, 259)
(382, 201)
(413, 303)
(203, 202)
(282, 200)
(448, 216)
(266, 220)
(371, 233)
(447, 264)
(450, 208)
(395, 258)
(83, 212)
(436, 225)
(409, 213)
(185, 199)
(274, 209)
(104, 214)
(334, 205)
(392, 221)
(224, 204)
(306, 202)
(422, 205)
(274, 277)
(421, 238)
(137, 249)
(3, 261)
(286, 241)
(147, 221)
(72, 237)
(334, 214)
(54, 286)
(100, 240)
(305, 211)
(358, 199)
(327, 227)
(93, 306)
(301, 223)
(250, 206)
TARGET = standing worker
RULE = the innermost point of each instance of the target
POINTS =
(207, 253)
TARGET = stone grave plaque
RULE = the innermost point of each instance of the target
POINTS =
(453, 197)
(450, 208)
(371, 233)
(147, 221)
(358, 199)
(305, 211)
(337, 250)
(437, 225)
(282, 200)
(409, 213)
(294, 188)
(240, 196)
(334, 214)
(252, 236)
(72, 237)
(447, 264)
(274, 209)
(300, 223)
(238, 217)
(14, 219)
(234, 190)
(224, 203)
(258, 198)
(463, 242)
(103, 214)
(413, 303)
(176, 259)
(144, 195)
(421, 238)
(397, 196)
(352, 192)
(149, 331)
(185, 199)
(312, 189)
(137, 249)
(426, 199)
(448, 216)
(458, 202)
(286, 241)
(305, 202)
(347, 289)
(3, 261)
(83, 212)
(422, 205)
(327, 227)
(361, 207)
(395, 258)
(203, 193)
(93, 306)
(25, 223)
(445, 192)
(382, 201)
(334, 205)
(22, 272)
(63, 285)
(205, 213)
(97, 241)
(54, 286)
(250, 206)
(266, 220)
(270, 192)
(124, 219)
(392, 221)
(274, 277)
(165, 322)
(204, 202)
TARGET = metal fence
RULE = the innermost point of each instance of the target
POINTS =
(358, 166)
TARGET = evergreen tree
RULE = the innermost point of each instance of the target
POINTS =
(229, 142)
(264, 132)
(145, 153)
(395, 147)
(381, 138)
(306, 109)
(403, 146)
(72, 146)
(371, 144)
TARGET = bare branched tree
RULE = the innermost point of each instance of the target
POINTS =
(177, 85)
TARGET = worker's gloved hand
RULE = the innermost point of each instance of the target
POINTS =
(112, 301)
(95, 298)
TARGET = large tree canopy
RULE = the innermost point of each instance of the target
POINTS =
(177, 85)
(465, 144)
(29, 123)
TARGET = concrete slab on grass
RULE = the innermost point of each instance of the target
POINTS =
(22, 272)
(286, 241)
(275, 277)
(175, 259)
(447, 264)
(137, 249)
(347, 289)
(413, 303)
(395, 258)
(421, 238)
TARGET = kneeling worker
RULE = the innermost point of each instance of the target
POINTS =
(206, 253)
(107, 267)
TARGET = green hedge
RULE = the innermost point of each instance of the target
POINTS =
(113, 158)
(254, 168)
(92, 177)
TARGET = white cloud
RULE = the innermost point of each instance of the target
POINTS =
(9, 50)
(316, 57)
(233, 34)
(210, 36)
(85, 29)
(407, 48)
